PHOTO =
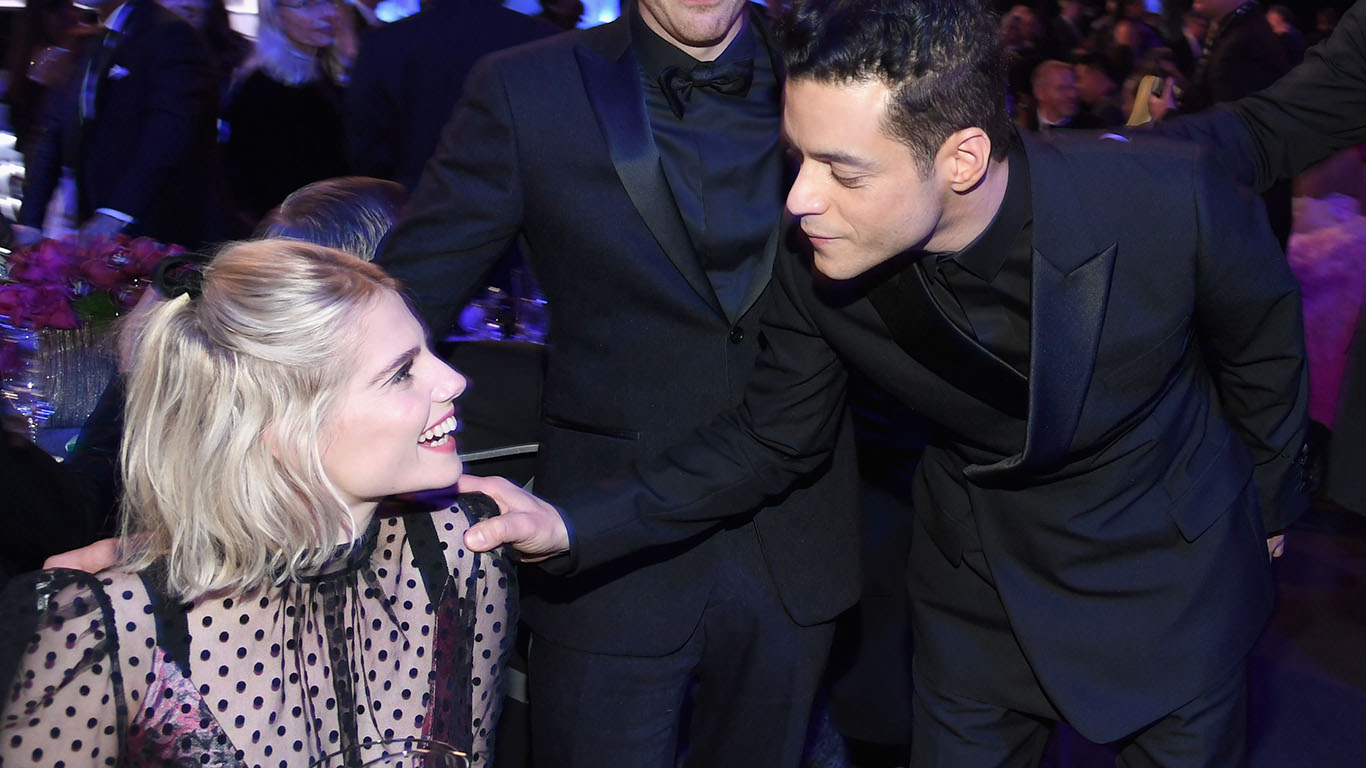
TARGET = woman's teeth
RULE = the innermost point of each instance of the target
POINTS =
(439, 432)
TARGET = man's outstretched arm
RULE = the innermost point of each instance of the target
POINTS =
(786, 428)
(1318, 108)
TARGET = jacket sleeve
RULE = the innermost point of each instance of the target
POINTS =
(1315, 110)
(785, 428)
(466, 209)
(1251, 329)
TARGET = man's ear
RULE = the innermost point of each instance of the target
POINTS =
(964, 158)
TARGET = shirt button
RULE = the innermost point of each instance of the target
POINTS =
(737, 335)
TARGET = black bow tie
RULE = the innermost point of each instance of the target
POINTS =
(732, 78)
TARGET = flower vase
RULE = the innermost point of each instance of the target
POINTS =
(22, 384)
(76, 366)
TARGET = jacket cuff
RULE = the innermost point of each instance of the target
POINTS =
(567, 563)
(1285, 485)
(113, 214)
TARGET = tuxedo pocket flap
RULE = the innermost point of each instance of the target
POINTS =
(1155, 360)
(1207, 497)
(592, 429)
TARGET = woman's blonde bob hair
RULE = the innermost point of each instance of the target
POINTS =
(228, 400)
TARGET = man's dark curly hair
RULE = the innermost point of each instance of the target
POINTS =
(941, 59)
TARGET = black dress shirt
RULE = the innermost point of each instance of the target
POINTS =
(722, 158)
(984, 288)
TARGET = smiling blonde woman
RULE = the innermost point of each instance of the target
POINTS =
(262, 612)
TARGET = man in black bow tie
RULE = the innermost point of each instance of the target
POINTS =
(1110, 346)
(641, 163)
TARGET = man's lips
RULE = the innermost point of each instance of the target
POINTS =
(818, 240)
(816, 235)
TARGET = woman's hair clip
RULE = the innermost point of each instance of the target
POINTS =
(180, 275)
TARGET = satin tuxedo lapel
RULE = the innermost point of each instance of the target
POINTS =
(105, 50)
(114, 51)
(762, 271)
(919, 326)
(114, 56)
(1070, 289)
(102, 59)
(611, 77)
(763, 267)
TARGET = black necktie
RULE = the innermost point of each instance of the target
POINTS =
(732, 78)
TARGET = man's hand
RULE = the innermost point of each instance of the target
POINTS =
(100, 225)
(1275, 546)
(91, 558)
(529, 524)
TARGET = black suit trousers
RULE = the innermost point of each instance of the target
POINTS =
(956, 732)
(747, 675)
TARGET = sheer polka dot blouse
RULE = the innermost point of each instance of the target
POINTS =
(402, 636)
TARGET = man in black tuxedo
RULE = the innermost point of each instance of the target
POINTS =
(1110, 345)
(136, 122)
(409, 76)
(641, 163)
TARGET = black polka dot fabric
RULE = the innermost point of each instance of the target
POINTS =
(104, 671)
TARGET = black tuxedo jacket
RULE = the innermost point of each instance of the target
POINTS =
(149, 150)
(1163, 421)
(409, 76)
(552, 143)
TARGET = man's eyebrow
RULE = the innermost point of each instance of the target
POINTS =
(842, 158)
(828, 156)
(397, 363)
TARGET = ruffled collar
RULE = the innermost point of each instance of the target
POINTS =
(347, 558)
